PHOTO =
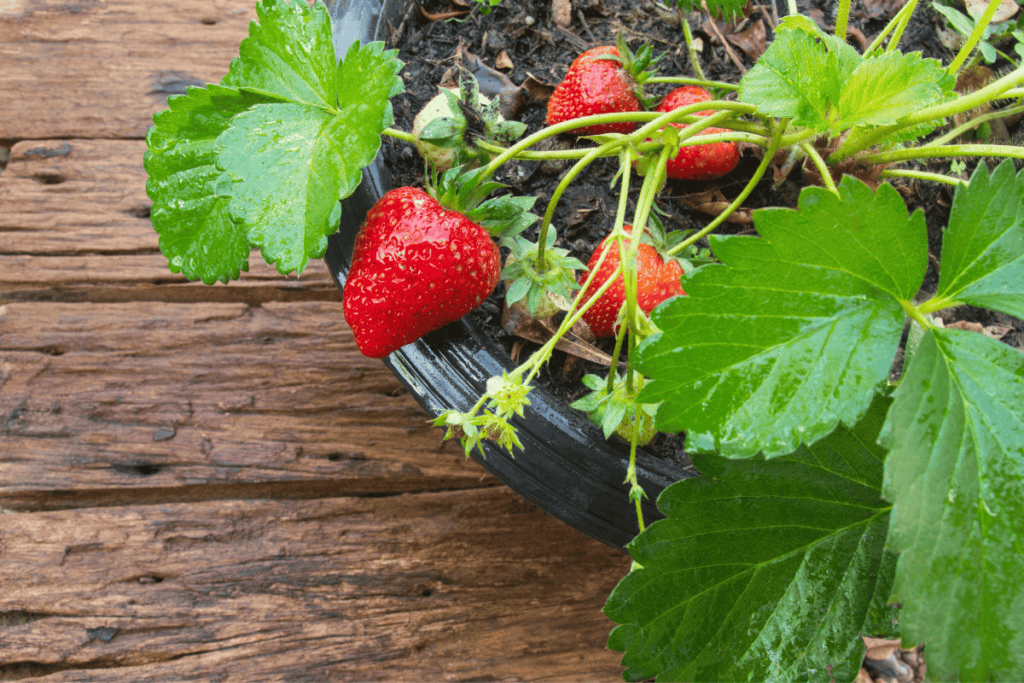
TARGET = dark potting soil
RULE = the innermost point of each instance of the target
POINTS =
(521, 41)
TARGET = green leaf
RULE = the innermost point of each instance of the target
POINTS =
(291, 163)
(761, 571)
(190, 208)
(288, 164)
(956, 476)
(883, 89)
(289, 53)
(728, 9)
(983, 247)
(791, 79)
(792, 332)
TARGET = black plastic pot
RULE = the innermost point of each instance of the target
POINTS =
(566, 467)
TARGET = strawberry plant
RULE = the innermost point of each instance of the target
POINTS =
(834, 502)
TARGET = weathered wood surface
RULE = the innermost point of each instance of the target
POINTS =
(74, 226)
(210, 483)
(475, 585)
(100, 69)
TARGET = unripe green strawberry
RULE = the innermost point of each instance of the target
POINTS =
(416, 266)
(627, 427)
(439, 107)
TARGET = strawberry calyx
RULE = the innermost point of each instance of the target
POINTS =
(460, 189)
(543, 292)
(615, 410)
(638, 65)
(471, 122)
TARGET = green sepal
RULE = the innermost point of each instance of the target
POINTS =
(557, 278)
(444, 131)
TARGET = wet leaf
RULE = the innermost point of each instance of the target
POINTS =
(793, 331)
(190, 208)
(289, 53)
(762, 570)
(983, 247)
(956, 477)
(291, 162)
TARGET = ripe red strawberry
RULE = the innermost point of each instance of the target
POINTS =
(701, 162)
(416, 266)
(594, 86)
(657, 280)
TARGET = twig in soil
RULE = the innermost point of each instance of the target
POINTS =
(768, 17)
(724, 42)
(586, 27)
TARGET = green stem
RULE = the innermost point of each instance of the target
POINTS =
(933, 305)
(638, 415)
(1014, 93)
(613, 371)
(570, 154)
(751, 184)
(974, 38)
(893, 156)
(974, 123)
(921, 175)
(688, 36)
(560, 190)
(842, 18)
(897, 35)
(653, 182)
(961, 104)
(915, 313)
(826, 176)
(793, 11)
(877, 42)
(682, 80)
(400, 134)
(654, 121)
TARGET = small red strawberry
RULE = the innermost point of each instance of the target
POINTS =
(592, 86)
(657, 280)
(699, 162)
(416, 266)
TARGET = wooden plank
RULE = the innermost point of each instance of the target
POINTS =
(74, 226)
(472, 585)
(156, 401)
(91, 69)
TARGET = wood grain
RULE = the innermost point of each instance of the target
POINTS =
(472, 585)
(120, 399)
(74, 226)
(101, 69)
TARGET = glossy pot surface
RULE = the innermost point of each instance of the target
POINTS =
(566, 466)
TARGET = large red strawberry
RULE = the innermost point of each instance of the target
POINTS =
(416, 266)
(699, 162)
(657, 279)
(595, 86)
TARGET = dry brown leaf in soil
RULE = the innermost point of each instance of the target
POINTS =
(1006, 10)
(519, 323)
(503, 61)
(539, 90)
(753, 40)
(993, 331)
(713, 203)
(882, 9)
